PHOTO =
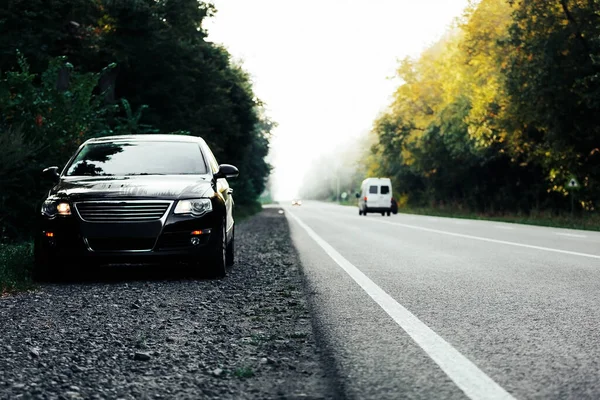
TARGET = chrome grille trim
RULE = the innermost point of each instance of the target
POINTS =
(123, 210)
(100, 245)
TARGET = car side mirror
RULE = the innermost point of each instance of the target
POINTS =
(227, 171)
(358, 195)
(51, 174)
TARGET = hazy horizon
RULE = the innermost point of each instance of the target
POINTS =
(323, 69)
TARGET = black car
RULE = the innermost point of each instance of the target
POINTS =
(137, 199)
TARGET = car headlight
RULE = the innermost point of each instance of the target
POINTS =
(195, 207)
(53, 207)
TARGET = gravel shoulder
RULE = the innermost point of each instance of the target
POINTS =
(142, 334)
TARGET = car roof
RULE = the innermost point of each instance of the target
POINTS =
(147, 138)
(379, 180)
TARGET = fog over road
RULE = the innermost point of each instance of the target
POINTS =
(422, 307)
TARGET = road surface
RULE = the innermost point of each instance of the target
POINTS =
(439, 308)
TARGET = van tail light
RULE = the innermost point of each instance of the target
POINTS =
(365, 198)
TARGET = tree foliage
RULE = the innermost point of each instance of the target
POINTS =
(41, 124)
(500, 112)
(162, 76)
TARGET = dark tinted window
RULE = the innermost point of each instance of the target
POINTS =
(138, 158)
(373, 189)
(385, 190)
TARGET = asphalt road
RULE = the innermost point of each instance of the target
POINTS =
(439, 308)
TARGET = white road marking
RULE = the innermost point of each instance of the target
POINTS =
(571, 235)
(484, 239)
(470, 379)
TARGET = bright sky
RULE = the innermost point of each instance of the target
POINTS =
(322, 66)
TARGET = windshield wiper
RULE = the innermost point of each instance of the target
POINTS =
(141, 173)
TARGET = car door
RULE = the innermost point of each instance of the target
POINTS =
(224, 190)
(361, 199)
(373, 196)
(385, 192)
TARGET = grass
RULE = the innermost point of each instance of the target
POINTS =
(243, 372)
(16, 261)
(588, 221)
(244, 211)
(298, 335)
(140, 342)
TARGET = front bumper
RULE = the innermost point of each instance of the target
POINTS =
(377, 209)
(136, 242)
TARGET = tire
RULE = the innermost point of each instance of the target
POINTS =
(383, 214)
(389, 213)
(45, 267)
(218, 258)
(230, 255)
(359, 211)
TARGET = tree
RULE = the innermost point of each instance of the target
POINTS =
(500, 112)
(42, 123)
(552, 79)
(164, 76)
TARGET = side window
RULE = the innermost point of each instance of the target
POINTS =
(385, 190)
(373, 189)
(212, 161)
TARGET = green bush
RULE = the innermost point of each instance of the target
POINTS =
(44, 119)
(15, 267)
(246, 210)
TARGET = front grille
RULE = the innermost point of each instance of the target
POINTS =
(118, 211)
(120, 244)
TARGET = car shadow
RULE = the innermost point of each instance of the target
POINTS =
(118, 273)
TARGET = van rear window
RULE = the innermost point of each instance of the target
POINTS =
(373, 189)
(385, 190)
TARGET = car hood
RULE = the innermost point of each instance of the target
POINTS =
(171, 187)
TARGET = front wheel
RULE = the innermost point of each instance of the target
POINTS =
(218, 258)
(45, 266)
(230, 256)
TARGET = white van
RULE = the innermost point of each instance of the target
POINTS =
(375, 196)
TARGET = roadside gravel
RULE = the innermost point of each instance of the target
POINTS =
(146, 335)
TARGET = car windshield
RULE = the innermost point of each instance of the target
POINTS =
(138, 158)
